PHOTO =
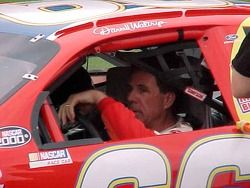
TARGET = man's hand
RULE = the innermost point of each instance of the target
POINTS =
(91, 97)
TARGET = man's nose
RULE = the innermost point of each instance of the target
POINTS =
(132, 96)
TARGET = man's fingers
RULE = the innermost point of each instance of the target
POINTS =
(60, 114)
(70, 112)
(66, 113)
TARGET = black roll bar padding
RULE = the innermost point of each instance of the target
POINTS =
(189, 68)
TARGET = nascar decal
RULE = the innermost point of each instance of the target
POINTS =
(181, 4)
(14, 136)
(49, 158)
(213, 158)
(40, 13)
(128, 27)
(133, 165)
(242, 105)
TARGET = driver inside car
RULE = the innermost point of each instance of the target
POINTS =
(150, 108)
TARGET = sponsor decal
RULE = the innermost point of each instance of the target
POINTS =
(244, 104)
(230, 38)
(14, 136)
(128, 27)
(195, 93)
(49, 158)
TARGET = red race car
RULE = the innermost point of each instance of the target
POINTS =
(51, 49)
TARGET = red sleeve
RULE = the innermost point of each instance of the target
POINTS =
(121, 122)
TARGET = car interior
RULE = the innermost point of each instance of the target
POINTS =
(180, 64)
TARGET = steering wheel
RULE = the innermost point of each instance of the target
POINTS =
(82, 128)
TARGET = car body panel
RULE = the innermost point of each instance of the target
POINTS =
(213, 157)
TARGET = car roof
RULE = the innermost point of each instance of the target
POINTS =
(48, 17)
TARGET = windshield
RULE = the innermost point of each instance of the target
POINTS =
(19, 56)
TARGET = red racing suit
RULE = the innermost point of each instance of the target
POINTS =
(121, 123)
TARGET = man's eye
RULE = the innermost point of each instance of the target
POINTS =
(142, 89)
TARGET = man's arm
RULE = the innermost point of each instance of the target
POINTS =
(241, 70)
(119, 121)
(67, 110)
(240, 84)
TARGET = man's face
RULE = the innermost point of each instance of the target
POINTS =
(145, 98)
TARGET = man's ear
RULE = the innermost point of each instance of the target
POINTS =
(169, 98)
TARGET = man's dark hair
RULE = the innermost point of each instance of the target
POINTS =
(163, 85)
